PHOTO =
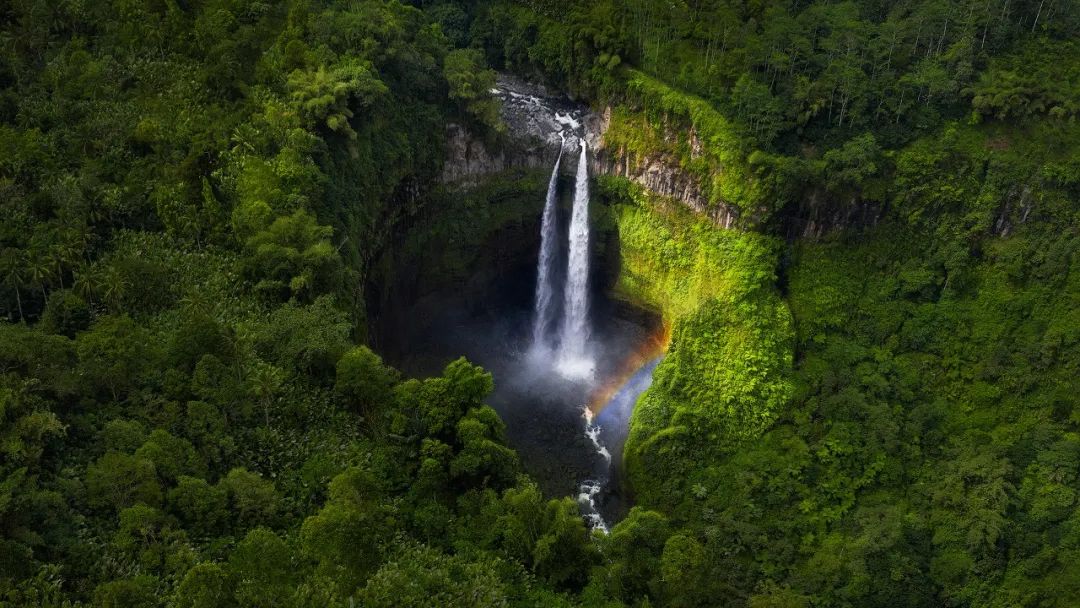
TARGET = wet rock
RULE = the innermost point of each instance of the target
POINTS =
(538, 123)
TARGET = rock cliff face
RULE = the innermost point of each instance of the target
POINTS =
(657, 174)
(815, 216)
(539, 121)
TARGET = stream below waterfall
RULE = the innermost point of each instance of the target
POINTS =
(544, 411)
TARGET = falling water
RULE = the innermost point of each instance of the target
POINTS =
(573, 359)
(542, 319)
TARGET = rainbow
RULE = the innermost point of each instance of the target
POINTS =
(654, 345)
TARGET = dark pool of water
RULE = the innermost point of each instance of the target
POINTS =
(543, 411)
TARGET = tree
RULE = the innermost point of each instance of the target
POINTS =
(563, 554)
(207, 428)
(292, 255)
(114, 353)
(119, 481)
(137, 592)
(307, 339)
(327, 95)
(39, 269)
(122, 435)
(206, 585)
(265, 383)
(852, 165)
(26, 424)
(14, 274)
(347, 537)
(261, 569)
(470, 82)
(148, 537)
(771, 595)
(252, 500)
(418, 576)
(114, 285)
(483, 457)
(363, 379)
(440, 402)
(682, 566)
(549, 537)
(203, 508)
(198, 334)
(632, 551)
(172, 456)
(65, 313)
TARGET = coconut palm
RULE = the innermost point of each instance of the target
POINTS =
(114, 285)
(85, 281)
(39, 270)
(64, 252)
(266, 381)
(14, 275)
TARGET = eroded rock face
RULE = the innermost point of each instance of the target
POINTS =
(815, 216)
(539, 121)
(469, 159)
(657, 174)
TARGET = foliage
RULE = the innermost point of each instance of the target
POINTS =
(203, 201)
(194, 192)
(1025, 85)
(420, 576)
(716, 87)
(470, 84)
(726, 375)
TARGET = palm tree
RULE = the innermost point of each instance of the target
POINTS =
(64, 252)
(85, 278)
(266, 381)
(39, 270)
(113, 285)
(56, 263)
(14, 276)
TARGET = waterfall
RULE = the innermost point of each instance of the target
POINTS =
(573, 357)
(542, 316)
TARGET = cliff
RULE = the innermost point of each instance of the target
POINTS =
(539, 121)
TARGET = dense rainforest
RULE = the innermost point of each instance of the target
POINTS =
(870, 393)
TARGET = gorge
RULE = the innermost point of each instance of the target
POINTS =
(506, 304)
(552, 356)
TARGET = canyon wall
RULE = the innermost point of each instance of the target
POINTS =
(539, 121)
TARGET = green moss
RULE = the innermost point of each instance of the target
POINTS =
(675, 260)
(658, 120)
(726, 374)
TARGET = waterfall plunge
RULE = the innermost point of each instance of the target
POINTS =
(574, 359)
(545, 291)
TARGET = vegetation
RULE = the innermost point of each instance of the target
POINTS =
(192, 194)
(727, 371)
(199, 197)
(763, 101)
(883, 453)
